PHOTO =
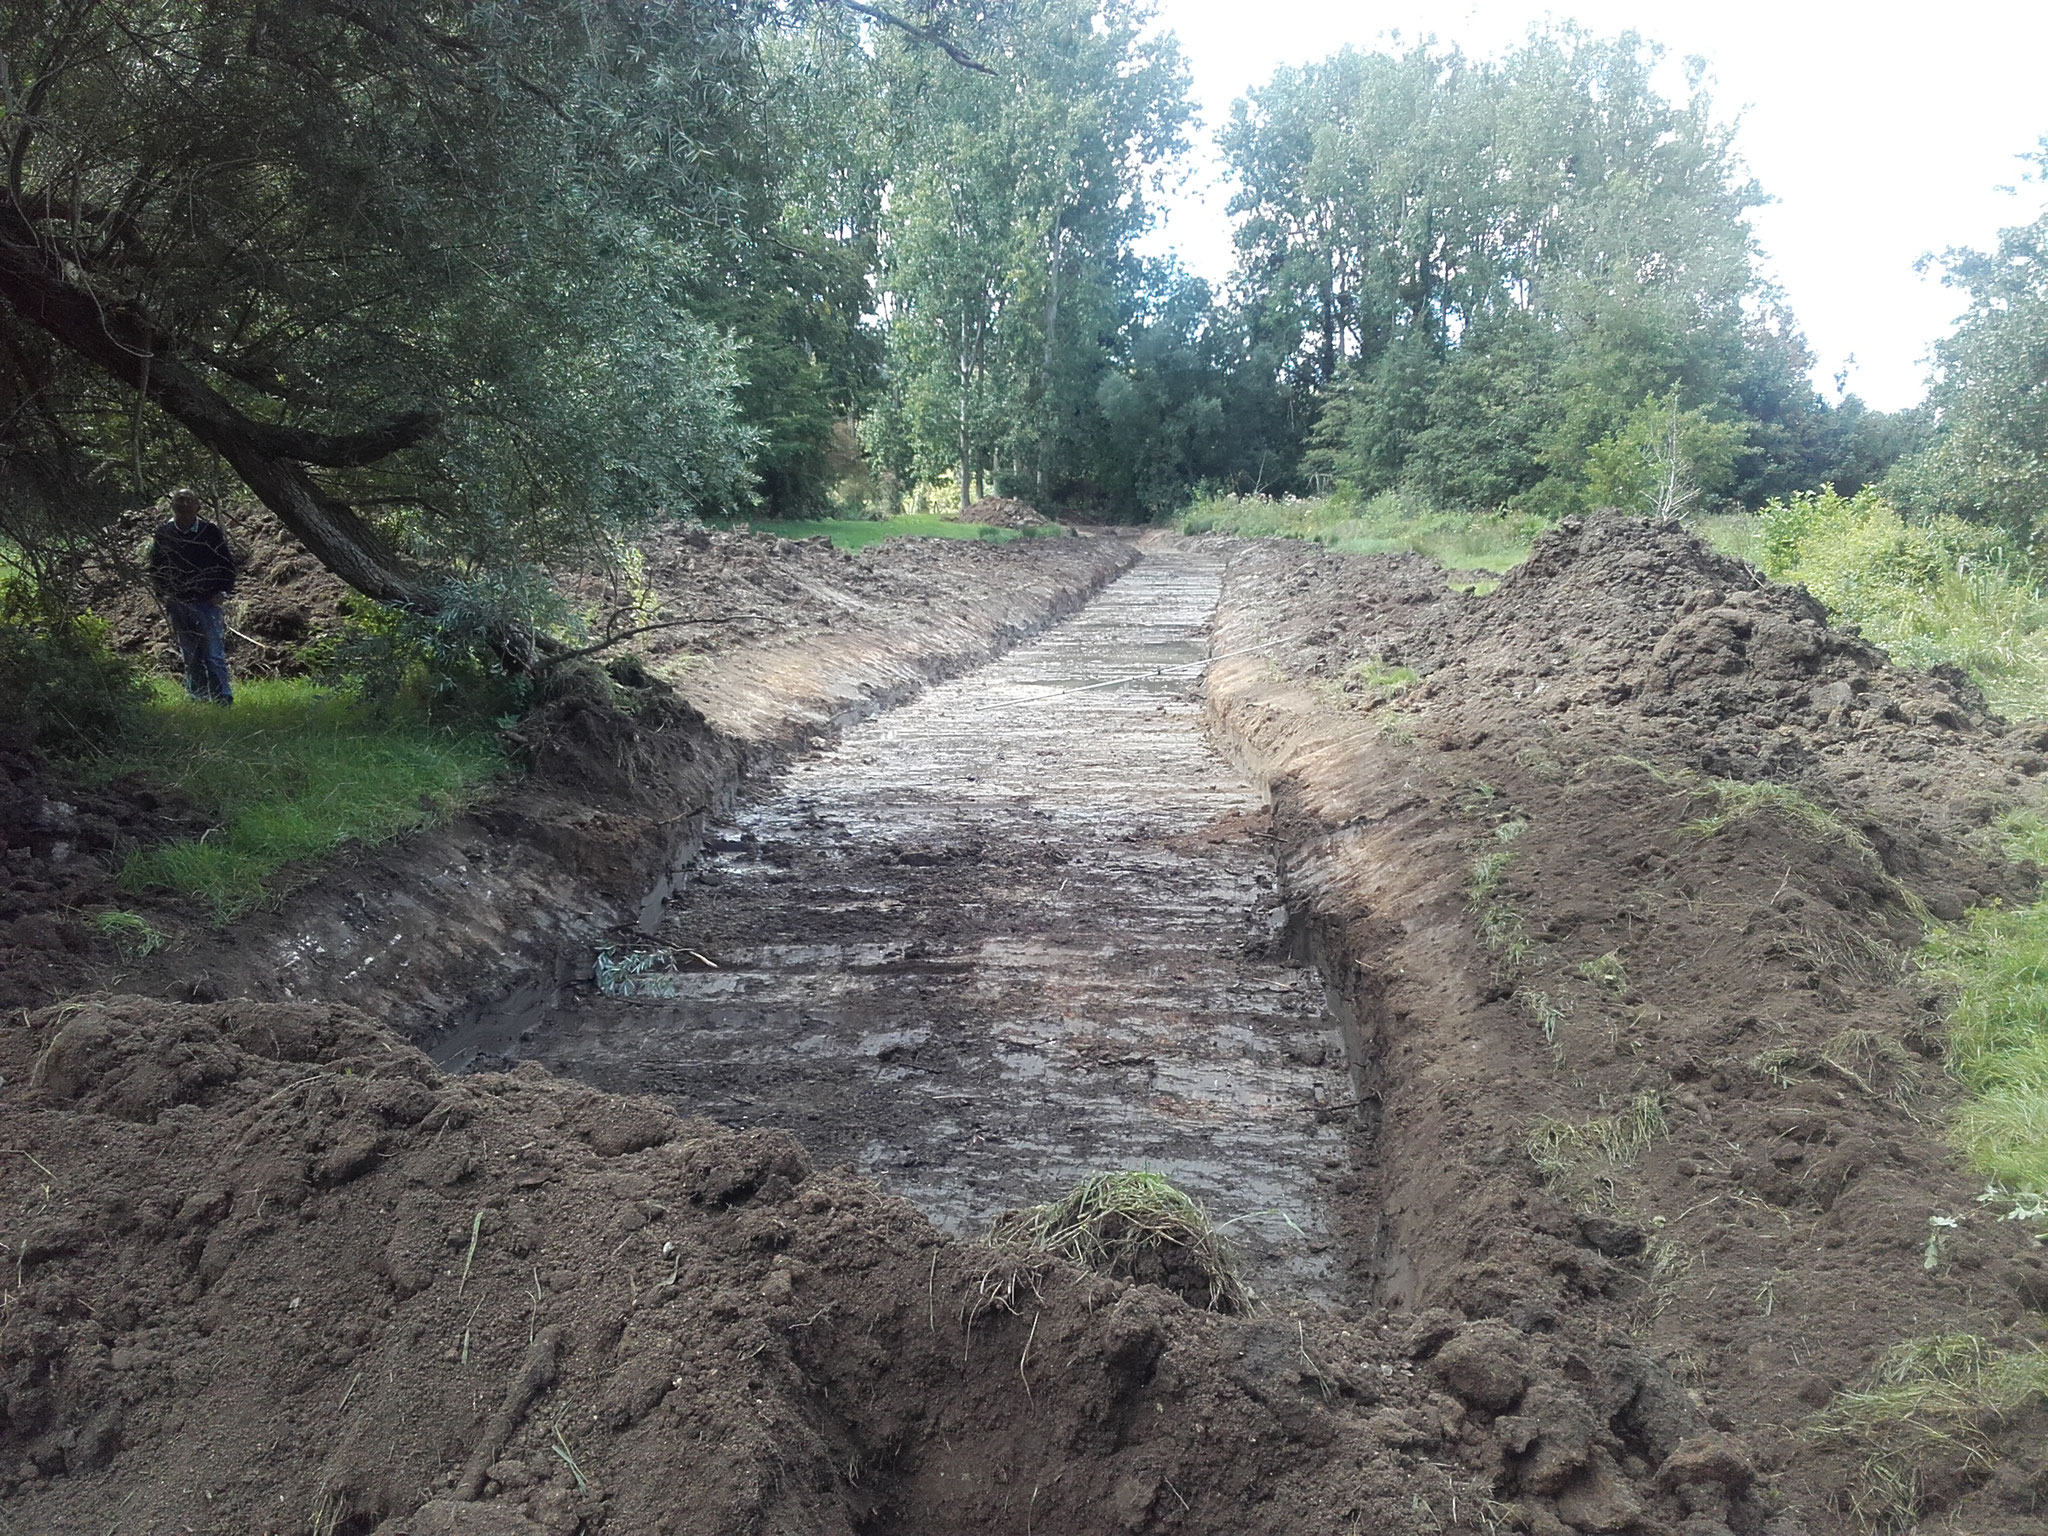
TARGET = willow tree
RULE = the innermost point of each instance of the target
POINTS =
(427, 278)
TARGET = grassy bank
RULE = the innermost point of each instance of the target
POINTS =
(1385, 525)
(856, 533)
(290, 773)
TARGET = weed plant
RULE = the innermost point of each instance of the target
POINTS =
(289, 773)
(1393, 522)
(1112, 1222)
(1927, 1403)
(1579, 1158)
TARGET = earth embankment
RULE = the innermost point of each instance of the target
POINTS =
(1618, 874)
(1613, 878)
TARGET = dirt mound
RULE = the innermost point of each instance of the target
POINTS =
(1005, 512)
(272, 1272)
(1621, 869)
(283, 596)
(59, 843)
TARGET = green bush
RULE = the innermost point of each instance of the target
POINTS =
(1936, 591)
(59, 679)
(440, 664)
(1392, 522)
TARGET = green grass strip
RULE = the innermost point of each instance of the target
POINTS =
(291, 773)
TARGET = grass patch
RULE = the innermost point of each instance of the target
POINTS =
(1998, 1039)
(1376, 677)
(1934, 591)
(1608, 971)
(1927, 1405)
(1579, 1159)
(133, 934)
(1388, 524)
(1498, 924)
(858, 533)
(1134, 1225)
(1736, 801)
(292, 772)
(1738, 535)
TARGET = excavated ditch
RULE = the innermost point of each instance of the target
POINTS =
(1019, 930)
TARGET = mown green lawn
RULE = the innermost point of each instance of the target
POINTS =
(291, 772)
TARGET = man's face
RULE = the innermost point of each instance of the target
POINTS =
(185, 511)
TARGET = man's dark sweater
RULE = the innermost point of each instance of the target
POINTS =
(191, 565)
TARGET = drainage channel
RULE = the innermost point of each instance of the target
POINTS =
(1021, 929)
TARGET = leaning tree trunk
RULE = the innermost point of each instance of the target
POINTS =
(120, 340)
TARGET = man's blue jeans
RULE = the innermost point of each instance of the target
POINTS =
(201, 629)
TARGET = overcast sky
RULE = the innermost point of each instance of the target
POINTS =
(1883, 131)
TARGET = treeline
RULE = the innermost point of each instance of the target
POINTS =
(458, 290)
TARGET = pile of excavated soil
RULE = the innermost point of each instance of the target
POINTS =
(1004, 512)
(273, 1273)
(1622, 883)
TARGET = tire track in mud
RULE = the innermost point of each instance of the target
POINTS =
(1018, 930)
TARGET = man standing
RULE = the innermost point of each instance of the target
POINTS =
(192, 569)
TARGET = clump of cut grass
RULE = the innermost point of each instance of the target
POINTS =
(1866, 1059)
(133, 934)
(1499, 925)
(1374, 676)
(1736, 801)
(1607, 971)
(1927, 1404)
(1548, 1017)
(291, 772)
(1137, 1226)
(1876, 1063)
(635, 972)
(1580, 1158)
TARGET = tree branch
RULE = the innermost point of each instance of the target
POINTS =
(558, 657)
(952, 50)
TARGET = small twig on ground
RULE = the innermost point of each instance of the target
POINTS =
(1027, 1354)
(476, 1230)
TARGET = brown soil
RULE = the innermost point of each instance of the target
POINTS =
(795, 639)
(1754, 983)
(1005, 512)
(274, 1272)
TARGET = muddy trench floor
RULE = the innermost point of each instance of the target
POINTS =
(1023, 929)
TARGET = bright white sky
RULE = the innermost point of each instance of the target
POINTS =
(1882, 128)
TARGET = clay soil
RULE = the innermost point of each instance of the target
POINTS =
(272, 1271)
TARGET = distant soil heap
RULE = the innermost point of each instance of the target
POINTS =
(1005, 512)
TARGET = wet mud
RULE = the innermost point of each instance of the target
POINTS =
(1020, 930)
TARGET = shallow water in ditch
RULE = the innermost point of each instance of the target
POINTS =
(1021, 929)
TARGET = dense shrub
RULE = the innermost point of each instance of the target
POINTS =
(60, 682)
(1939, 590)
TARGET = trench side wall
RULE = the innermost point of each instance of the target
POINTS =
(1373, 879)
(496, 910)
